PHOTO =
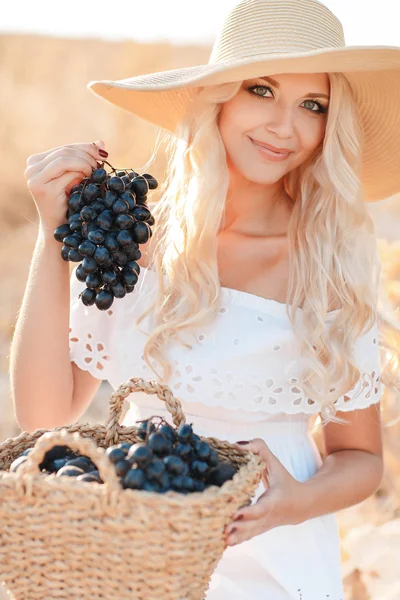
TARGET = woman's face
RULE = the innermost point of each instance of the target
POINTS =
(287, 111)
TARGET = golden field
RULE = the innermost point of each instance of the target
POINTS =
(43, 104)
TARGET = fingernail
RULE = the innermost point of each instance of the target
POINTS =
(242, 443)
(103, 153)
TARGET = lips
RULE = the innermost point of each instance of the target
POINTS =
(272, 148)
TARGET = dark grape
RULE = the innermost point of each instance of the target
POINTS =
(142, 429)
(115, 184)
(142, 455)
(129, 276)
(99, 175)
(93, 280)
(110, 278)
(152, 181)
(118, 290)
(90, 193)
(135, 479)
(109, 198)
(185, 432)
(96, 236)
(159, 444)
(140, 231)
(129, 198)
(71, 241)
(89, 265)
(221, 473)
(141, 213)
(120, 258)
(74, 255)
(75, 202)
(107, 218)
(124, 238)
(69, 472)
(101, 255)
(140, 185)
(61, 232)
(88, 297)
(87, 248)
(114, 453)
(168, 432)
(111, 242)
(125, 221)
(155, 469)
(80, 275)
(120, 206)
(98, 206)
(104, 299)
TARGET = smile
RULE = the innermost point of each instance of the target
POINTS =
(271, 154)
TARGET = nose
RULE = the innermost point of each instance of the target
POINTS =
(280, 120)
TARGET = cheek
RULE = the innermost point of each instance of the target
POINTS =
(311, 136)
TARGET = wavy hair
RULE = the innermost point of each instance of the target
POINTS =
(334, 259)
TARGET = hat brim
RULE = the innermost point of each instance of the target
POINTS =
(372, 71)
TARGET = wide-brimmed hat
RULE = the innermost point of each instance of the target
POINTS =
(267, 37)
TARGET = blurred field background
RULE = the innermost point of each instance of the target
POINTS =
(43, 104)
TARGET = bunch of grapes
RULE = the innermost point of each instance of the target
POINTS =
(166, 459)
(108, 217)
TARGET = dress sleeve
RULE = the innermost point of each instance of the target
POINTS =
(368, 389)
(91, 333)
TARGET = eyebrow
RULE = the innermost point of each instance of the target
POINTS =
(276, 84)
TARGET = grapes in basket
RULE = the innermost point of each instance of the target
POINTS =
(167, 459)
(108, 218)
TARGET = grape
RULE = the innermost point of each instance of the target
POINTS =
(115, 184)
(120, 206)
(99, 175)
(110, 278)
(152, 182)
(86, 248)
(185, 432)
(61, 232)
(107, 218)
(89, 265)
(140, 232)
(93, 280)
(168, 459)
(75, 202)
(140, 185)
(88, 297)
(119, 290)
(90, 193)
(104, 299)
(69, 472)
(71, 241)
(74, 255)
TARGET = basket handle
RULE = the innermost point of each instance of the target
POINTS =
(75, 441)
(136, 384)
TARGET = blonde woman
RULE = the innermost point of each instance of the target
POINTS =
(257, 299)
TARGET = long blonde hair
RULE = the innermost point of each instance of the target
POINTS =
(332, 244)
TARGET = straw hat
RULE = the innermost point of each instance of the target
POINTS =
(266, 37)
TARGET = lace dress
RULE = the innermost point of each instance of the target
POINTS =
(237, 383)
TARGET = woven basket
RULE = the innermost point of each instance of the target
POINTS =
(65, 539)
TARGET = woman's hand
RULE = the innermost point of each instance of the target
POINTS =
(50, 176)
(281, 504)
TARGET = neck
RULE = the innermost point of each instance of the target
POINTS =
(256, 209)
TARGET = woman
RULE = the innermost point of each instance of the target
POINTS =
(257, 293)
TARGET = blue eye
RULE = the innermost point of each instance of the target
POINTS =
(321, 109)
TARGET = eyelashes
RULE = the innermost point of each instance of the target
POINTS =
(321, 109)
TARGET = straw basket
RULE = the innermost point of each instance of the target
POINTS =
(65, 539)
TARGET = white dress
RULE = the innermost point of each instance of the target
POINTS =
(237, 383)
